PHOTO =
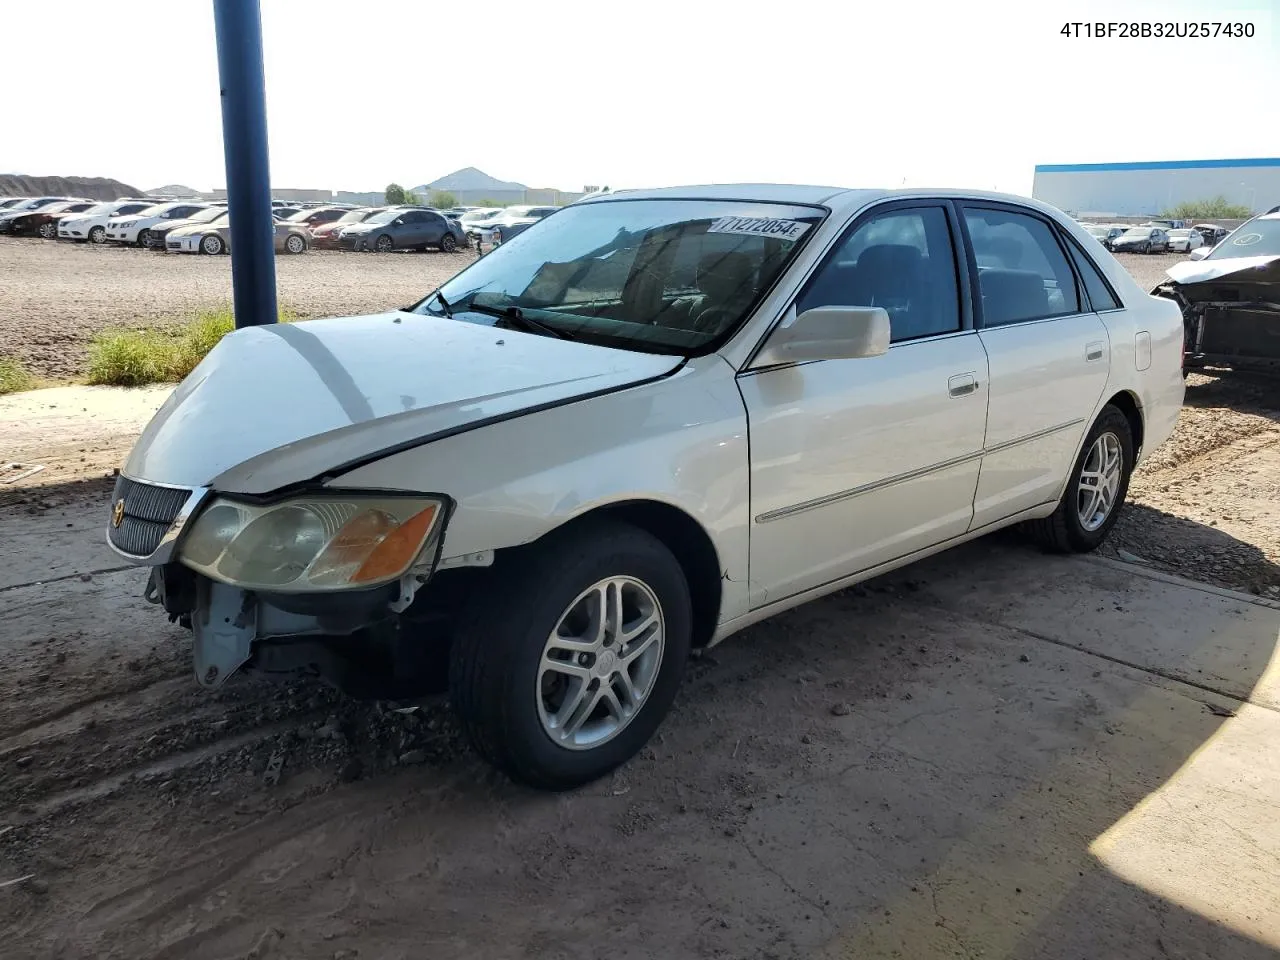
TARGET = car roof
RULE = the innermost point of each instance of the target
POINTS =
(839, 199)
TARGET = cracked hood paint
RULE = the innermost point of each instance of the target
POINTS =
(280, 404)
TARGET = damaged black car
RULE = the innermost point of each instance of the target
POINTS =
(1230, 298)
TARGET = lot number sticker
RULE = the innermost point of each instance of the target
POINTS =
(760, 227)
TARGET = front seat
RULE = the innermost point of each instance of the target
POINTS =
(728, 285)
(893, 276)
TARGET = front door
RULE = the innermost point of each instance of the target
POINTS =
(1049, 354)
(858, 462)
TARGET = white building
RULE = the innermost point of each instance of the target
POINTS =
(1148, 188)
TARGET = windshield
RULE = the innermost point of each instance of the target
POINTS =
(104, 207)
(208, 216)
(1139, 232)
(55, 207)
(1257, 238)
(301, 215)
(1180, 234)
(386, 216)
(1097, 231)
(476, 216)
(661, 276)
(155, 211)
(353, 216)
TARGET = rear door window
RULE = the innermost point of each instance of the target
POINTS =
(1023, 273)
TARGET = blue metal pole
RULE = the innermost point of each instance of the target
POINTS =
(238, 25)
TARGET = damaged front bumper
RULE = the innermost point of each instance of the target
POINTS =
(1229, 315)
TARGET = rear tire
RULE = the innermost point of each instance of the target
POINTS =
(509, 701)
(448, 243)
(48, 230)
(294, 244)
(1073, 527)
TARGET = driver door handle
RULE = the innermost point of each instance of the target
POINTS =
(962, 384)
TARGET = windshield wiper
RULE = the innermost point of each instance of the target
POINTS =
(448, 311)
(514, 313)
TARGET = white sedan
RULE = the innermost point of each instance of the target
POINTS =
(633, 431)
(132, 229)
(1184, 240)
(91, 226)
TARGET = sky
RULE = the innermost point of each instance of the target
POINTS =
(564, 93)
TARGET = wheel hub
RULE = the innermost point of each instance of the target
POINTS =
(600, 663)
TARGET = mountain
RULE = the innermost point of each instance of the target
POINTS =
(470, 180)
(91, 188)
(174, 190)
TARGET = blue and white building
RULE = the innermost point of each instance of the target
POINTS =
(1146, 188)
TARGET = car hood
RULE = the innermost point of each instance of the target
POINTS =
(1123, 239)
(1265, 269)
(277, 405)
(185, 229)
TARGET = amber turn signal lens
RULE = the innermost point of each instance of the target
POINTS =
(398, 549)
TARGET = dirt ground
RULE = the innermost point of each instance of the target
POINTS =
(959, 760)
(55, 296)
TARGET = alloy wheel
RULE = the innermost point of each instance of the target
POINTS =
(1099, 481)
(600, 663)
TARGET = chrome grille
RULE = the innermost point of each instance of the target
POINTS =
(149, 511)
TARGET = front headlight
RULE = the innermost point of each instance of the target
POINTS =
(323, 542)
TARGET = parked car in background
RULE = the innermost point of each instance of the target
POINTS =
(133, 229)
(1166, 224)
(404, 228)
(1230, 297)
(1103, 233)
(312, 217)
(474, 221)
(325, 236)
(39, 222)
(7, 202)
(91, 226)
(215, 238)
(1184, 240)
(511, 222)
(36, 203)
(158, 234)
(560, 466)
(1211, 233)
(1141, 240)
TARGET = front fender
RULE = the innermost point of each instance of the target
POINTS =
(681, 441)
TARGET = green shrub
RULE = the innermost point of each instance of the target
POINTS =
(131, 358)
(14, 377)
(442, 200)
(1217, 208)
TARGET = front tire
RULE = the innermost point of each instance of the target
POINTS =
(384, 244)
(98, 235)
(569, 671)
(1095, 493)
(48, 231)
(211, 245)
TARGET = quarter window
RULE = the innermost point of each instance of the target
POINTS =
(1100, 294)
(902, 260)
(1022, 272)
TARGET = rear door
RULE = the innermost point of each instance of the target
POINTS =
(858, 462)
(1049, 357)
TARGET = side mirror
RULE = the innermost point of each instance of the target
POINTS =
(828, 333)
(1199, 253)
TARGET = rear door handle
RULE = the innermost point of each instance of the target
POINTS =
(1093, 351)
(962, 384)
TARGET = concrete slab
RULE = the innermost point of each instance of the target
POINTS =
(74, 415)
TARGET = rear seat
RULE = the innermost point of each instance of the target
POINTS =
(1012, 295)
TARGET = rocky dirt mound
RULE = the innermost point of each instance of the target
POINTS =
(92, 188)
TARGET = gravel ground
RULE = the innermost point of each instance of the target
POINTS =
(55, 296)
